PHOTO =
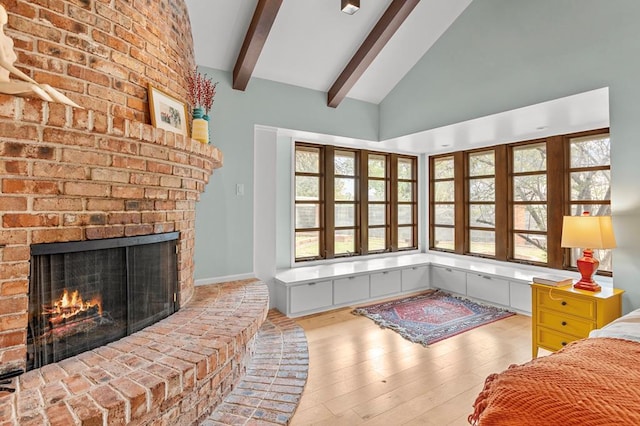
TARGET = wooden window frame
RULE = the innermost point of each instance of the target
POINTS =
(566, 252)
(322, 219)
(395, 202)
(558, 202)
(361, 202)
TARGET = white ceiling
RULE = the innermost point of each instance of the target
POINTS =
(312, 41)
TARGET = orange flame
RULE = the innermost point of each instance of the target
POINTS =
(70, 305)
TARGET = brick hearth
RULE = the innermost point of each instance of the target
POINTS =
(173, 372)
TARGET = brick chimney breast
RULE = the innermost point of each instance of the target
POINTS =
(69, 174)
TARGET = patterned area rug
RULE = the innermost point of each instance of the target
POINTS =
(430, 317)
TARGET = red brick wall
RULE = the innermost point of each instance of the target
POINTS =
(101, 172)
(103, 53)
(64, 178)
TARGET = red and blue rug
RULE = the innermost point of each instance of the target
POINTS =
(430, 317)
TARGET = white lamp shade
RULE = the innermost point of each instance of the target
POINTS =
(594, 232)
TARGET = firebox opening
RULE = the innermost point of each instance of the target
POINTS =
(85, 294)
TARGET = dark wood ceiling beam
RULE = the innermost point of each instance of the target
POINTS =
(261, 23)
(381, 33)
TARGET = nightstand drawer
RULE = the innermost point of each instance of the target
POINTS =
(552, 340)
(565, 324)
(567, 304)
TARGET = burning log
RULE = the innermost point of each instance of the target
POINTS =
(71, 315)
(55, 319)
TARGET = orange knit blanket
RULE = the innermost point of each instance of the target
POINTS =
(589, 382)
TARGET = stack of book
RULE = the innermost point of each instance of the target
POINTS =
(552, 280)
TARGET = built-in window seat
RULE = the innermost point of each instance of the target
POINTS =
(310, 289)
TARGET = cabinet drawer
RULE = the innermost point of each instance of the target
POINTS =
(310, 296)
(565, 323)
(383, 283)
(567, 304)
(415, 278)
(350, 289)
(449, 279)
(553, 340)
(488, 288)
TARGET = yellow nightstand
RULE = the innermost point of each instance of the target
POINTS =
(564, 314)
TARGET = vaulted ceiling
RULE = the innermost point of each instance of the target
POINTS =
(313, 44)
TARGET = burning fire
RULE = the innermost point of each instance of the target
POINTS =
(70, 305)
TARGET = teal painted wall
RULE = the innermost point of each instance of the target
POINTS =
(224, 220)
(505, 54)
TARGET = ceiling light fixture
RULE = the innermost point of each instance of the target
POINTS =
(350, 6)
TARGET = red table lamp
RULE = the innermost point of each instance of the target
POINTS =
(588, 232)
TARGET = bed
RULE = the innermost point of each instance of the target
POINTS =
(593, 381)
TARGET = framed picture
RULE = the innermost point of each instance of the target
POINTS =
(167, 112)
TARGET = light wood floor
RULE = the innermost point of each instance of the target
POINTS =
(362, 374)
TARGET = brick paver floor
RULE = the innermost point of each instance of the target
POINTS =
(271, 390)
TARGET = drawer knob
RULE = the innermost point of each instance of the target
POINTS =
(564, 323)
(563, 303)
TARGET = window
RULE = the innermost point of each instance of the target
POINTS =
(507, 202)
(590, 185)
(481, 184)
(378, 203)
(353, 202)
(529, 202)
(407, 226)
(308, 202)
(443, 207)
(345, 203)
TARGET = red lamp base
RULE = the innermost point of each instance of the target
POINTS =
(587, 265)
(592, 286)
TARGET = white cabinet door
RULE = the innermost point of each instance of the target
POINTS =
(311, 296)
(350, 289)
(415, 278)
(520, 296)
(485, 287)
(384, 283)
(449, 279)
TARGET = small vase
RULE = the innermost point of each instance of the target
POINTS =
(200, 126)
(206, 118)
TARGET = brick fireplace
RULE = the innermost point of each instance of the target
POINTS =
(61, 185)
(102, 172)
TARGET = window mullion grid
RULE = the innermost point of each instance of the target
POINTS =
(558, 202)
(499, 217)
(385, 205)
(355, 227)
(319, 203)
(413, 181)
(570, 203)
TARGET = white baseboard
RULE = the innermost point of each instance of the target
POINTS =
(217, 280)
